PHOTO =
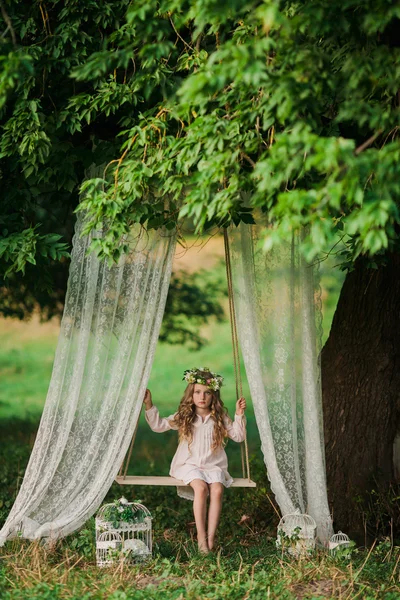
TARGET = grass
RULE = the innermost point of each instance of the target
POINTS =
(247, 564)
(253, 569)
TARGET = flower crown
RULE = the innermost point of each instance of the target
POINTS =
(196, 376)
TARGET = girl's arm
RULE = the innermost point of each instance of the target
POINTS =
(157, 424)
(236, 429)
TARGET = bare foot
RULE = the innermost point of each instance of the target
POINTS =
(203, 547)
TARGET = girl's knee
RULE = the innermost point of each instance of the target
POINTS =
(200, 488)
(216, 490)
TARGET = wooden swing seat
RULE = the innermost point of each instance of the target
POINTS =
(155, 480)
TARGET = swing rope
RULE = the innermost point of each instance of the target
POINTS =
(125, 464)
(235, 348)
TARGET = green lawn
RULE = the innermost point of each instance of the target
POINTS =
(25, 370)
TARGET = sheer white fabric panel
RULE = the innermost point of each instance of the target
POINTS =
(109, 331)
(278, 307)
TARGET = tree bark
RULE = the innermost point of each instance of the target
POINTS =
(361, 390)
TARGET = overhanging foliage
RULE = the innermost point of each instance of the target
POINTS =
(194, 103)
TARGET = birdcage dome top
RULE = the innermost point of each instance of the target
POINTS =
(340, 537)
(109, 535)
(297, 520)
(135, 507)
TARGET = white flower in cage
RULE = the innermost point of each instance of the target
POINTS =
(123, 500)
(135, 547)
(120, 509)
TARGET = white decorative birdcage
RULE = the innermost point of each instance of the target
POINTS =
(108, 547)
(117, 540)
(296, 534)
(339, 540)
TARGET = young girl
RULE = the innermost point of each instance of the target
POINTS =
(200, 460)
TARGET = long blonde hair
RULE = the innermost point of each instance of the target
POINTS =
(186, 415)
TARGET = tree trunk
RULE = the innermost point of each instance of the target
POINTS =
(361, 390)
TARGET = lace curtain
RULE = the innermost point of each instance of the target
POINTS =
(278, 304)
(109, 331)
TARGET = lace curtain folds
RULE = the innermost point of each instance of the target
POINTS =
(278, 304)
(109, 331)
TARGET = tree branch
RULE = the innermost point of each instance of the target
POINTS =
(8, 22)
(177, 32)
(249, 160)
(368, 142)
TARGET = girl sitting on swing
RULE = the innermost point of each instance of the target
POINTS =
(200, 460)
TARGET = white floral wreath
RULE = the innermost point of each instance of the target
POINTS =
(196, 376)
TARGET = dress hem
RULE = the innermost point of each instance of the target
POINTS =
(225, 483)
(216, 477)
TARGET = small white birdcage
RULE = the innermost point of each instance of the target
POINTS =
(296, 534)
(123, 532)
(339, 540)
(108, 546)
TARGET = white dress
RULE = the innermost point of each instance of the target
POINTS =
(200, 461)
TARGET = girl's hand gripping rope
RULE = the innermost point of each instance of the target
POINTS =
(147, 400)
(240, 406)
